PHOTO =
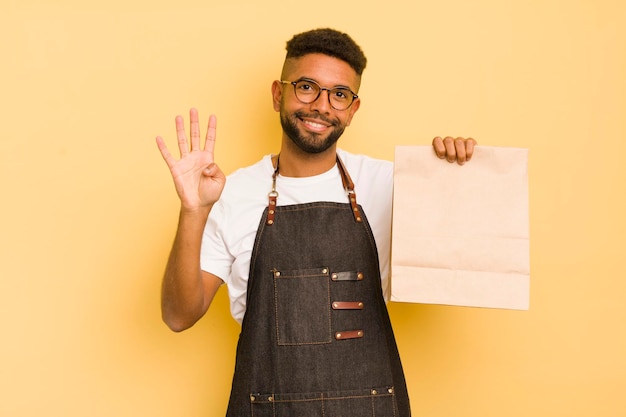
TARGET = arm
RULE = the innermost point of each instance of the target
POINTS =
(187, 291)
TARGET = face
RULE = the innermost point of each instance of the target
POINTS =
(314, 127)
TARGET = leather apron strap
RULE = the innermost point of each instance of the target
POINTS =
(348, 185)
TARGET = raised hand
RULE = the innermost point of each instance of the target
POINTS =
(198, 180)
(459, 150)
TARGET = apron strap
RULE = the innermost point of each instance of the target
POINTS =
(273, 195)
(348, 185)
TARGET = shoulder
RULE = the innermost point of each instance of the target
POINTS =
(368, 170)
(359, 162)
(245, 183)
(259, 170)
(245, 192)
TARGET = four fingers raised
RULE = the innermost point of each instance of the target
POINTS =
(181, 135)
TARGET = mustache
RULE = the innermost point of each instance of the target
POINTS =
(302, 115)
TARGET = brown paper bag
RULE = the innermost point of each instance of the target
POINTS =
(461, 233)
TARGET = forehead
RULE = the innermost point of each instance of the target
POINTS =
(326, 70)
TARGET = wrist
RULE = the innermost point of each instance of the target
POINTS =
(198, 213)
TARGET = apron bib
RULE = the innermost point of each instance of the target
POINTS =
(316, 339)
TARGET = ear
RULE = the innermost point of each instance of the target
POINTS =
(277, 94)
(353, 109)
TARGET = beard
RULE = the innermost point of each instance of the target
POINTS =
(309, 142)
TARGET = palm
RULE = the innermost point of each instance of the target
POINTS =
(198, 181)
(193, 187)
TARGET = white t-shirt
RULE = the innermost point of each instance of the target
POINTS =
(232, 225)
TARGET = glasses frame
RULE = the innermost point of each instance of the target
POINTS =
(319, 93)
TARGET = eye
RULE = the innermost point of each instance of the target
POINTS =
(341, 93)
(306, 87)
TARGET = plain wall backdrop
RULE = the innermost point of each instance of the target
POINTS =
(89, 210)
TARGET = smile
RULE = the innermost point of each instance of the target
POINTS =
(316, 124)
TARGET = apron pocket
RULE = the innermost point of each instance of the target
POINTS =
(378, 402)
(302, 303)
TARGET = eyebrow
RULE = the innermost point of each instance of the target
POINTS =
(317, 82)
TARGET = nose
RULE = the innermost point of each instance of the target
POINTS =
(322, 104)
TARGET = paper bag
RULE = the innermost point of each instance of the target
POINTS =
(461, 233)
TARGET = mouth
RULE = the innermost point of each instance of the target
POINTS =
(315, 124)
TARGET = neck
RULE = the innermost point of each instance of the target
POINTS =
(297, 163)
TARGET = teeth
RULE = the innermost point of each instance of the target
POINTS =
(315, 125)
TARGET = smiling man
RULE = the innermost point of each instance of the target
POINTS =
(305, 260)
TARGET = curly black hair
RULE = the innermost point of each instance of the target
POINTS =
(328, 42)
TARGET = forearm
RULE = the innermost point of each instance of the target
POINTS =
(182, 292)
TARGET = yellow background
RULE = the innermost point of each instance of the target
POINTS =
(89, 210)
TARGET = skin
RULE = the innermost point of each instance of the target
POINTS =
(454, 149)
(316, 121)
(186, 290)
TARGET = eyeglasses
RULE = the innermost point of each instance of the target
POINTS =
(307, 91)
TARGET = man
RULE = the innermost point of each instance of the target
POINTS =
(303, 248)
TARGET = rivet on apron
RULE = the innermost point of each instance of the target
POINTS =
(276, 274)
(348, 305)
(359, 276)
(390, 390)
(348, 334)
(270, 399)
(334, 277)
(325, 271)
(252, 398)
(374, 392)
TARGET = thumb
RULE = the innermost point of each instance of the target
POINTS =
(212, 170)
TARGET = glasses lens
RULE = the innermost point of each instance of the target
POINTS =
(307, 91)
(340, 98)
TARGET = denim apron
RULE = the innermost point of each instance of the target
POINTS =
(316, 339)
